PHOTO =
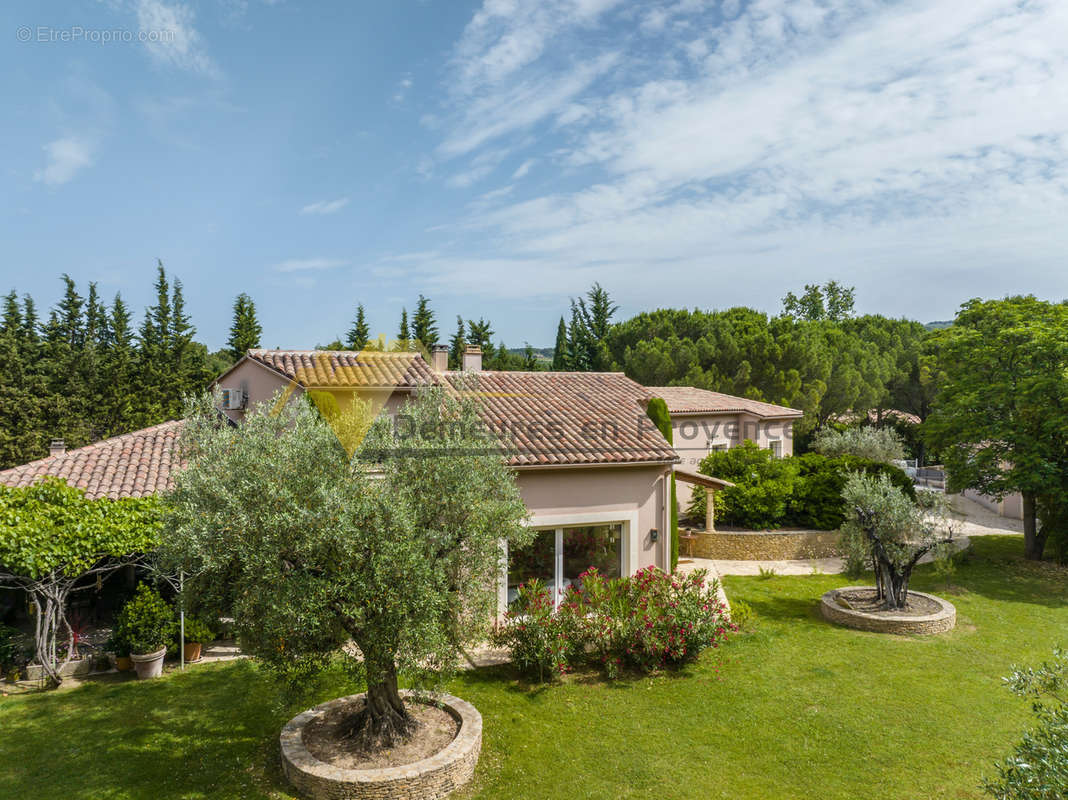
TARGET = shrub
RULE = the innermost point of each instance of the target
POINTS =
(540, 641)
(817, 498)
(146, 622)
(196, 630)
(1038, 767)
(762, 490)
(15, 649)
(742, 615)
(876, 444)
(646, 622)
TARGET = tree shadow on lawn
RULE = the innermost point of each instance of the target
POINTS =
(994, 568)
(210, 732)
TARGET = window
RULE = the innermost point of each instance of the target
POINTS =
(716, 448)
(775, 445)
(558, 556)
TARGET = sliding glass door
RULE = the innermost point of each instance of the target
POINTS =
(558, 556)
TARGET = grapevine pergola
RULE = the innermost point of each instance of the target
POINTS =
(55, 541)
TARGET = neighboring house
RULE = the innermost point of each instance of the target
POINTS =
(703, 421)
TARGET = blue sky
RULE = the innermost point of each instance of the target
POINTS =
(501, 156)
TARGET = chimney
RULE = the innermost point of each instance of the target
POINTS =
(439, 357)
(57, 448)
(473, 358)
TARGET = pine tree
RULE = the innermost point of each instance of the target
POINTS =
(480, 333)
(457, 344)
(359, 332)
(404, 334)
(424, 326)
(245, 331)
(560, 350)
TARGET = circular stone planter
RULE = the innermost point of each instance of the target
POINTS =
(889, 622)
(428, 779)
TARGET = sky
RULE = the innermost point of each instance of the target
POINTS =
(500, 157)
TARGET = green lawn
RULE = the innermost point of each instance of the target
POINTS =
(795, 709)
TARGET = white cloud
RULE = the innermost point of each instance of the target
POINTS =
(171, 38)
(309, 264)
(891, 145)
(323, 207)
(401, 92)
(66, 157)
(524, 168)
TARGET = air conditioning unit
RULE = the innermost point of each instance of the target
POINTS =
(233, 399)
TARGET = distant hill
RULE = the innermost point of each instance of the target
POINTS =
(543, 353)
(938, 324)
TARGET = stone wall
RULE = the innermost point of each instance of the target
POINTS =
(886, 622)
(761, 545)
(429, 779)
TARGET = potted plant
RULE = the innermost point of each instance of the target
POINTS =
(197, 634)
(146, 622)
(120, 648)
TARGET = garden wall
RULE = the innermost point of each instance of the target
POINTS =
(762, 545)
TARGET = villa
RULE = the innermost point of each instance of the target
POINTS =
(590, 466)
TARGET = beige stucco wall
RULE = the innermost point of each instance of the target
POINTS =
(1011, 506)
(696, 434)
(634, 495)
(262, 384)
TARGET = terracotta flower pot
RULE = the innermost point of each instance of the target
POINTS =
(148, 665)
(192, 652)
(123, 663)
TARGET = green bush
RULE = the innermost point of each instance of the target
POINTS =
(15, 648)
(804, 491)
(763, 486)
(742, 615)
(145, 623)
(817, 498)
(197, 630)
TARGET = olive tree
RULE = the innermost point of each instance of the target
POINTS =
(893, 531)
(55, 541)
(877, 444)
(1038, 766)
(387, 559)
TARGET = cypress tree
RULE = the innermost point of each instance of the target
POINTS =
(424, 326)
(457, 344)
(359, 332)
(189, 359)
(560, 349)
(118, 365)
(404, 334)
(245, 331)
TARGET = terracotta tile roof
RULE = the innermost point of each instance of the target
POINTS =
(688, 400)
(364, 368)
(568, 418)
(135, 464)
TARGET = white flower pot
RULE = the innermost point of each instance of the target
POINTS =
(148, 665)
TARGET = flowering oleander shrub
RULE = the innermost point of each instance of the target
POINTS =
(646, 622)
(542, 643)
